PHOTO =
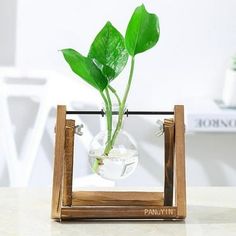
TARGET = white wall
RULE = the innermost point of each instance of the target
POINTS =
(7, 32)
(197, 39)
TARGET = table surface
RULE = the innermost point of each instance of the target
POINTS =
(26, 212)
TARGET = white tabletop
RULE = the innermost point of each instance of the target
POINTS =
(26, 212)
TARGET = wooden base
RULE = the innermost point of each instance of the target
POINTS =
(67, 204)
(119, 212)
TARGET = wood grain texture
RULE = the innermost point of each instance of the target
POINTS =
(180, 181)
(58, 162)
(119, 204)
(169, 161)
(119, 212)
(115, 198)
(68, 163)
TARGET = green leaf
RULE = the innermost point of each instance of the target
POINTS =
(108, 51)
(142, 32)
(85, 68)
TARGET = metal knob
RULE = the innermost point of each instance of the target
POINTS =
(160, 128)
(78, 129)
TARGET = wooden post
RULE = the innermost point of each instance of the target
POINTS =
(58, 162)
(180, 182)
(169, 161)
(68, 163)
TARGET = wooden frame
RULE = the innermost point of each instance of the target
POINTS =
(170, 204)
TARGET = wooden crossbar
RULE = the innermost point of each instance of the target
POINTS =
(116, 198)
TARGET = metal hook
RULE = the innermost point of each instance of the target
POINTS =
(78, 129)
(160, 128)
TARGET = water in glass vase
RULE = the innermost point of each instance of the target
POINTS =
(121, 161)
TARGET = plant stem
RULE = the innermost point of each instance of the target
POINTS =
(108, 121)
(115, 93)
(109, 116)
(109, 146)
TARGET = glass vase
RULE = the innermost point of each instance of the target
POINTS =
(121, 161)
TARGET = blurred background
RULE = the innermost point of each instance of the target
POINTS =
(188, 66)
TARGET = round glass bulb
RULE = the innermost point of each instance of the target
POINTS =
(121, 161)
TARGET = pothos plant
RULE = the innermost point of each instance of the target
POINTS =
(108, 56)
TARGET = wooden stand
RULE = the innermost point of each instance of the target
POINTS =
(170, 204)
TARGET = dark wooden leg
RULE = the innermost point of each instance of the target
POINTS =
(68, 163)
(169, 161)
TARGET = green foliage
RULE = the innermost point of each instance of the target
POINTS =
(108, 51)
(107, 58)
(85, 68)
(142, 32)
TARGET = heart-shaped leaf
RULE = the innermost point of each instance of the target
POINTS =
(108, 51)
(85, 68)
(142, 32)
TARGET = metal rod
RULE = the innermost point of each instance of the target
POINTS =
(116, 113)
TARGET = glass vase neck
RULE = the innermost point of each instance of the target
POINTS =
(115, 108)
